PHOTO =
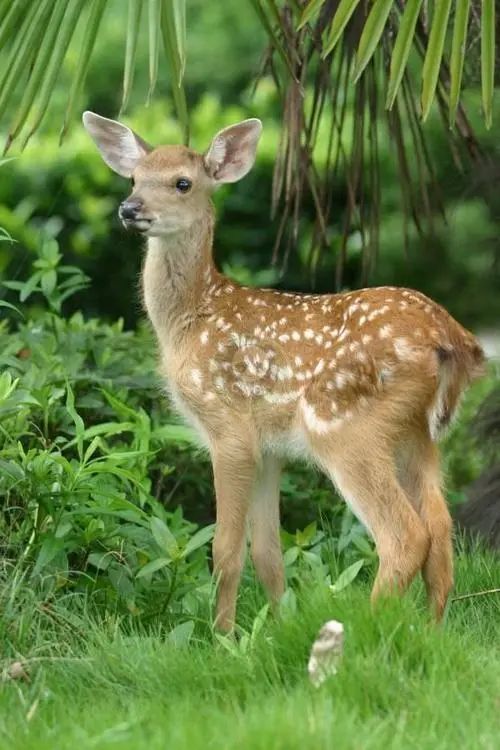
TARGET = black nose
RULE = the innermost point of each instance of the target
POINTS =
(130, 209)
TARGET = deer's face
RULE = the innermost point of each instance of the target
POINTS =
(171, 185)
(170, 191)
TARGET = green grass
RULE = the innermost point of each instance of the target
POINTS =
(403, 683)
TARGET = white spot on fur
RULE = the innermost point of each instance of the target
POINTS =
(315, 423)
(319, 367)
(197, 378)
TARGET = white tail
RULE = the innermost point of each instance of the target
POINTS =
(358, 383)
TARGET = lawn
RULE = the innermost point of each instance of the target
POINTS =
(102, 682)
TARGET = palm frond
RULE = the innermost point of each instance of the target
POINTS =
(386, 16)
(37, 35)
(359, 52)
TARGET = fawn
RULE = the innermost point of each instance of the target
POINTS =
(360, 383)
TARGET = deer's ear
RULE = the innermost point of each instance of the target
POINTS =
(120, 147)
(232, 152)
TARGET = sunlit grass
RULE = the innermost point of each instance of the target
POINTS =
(403, 683)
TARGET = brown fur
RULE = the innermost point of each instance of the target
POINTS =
(359, 383)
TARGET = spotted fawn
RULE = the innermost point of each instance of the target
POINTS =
(360, 384)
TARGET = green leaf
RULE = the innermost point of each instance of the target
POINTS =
(434, 53)
(176, 433)
(346, 577)
(181, 634)
(154, 24)
(340, 20)
(487, 58)
(48, 282)
(92, 26)
(39, 67)
(11, 307)
(11, 21)
(164, 537)
(133, 28)
(306, 536)
(372, 31)
(153, 566)
(171, 35)
(99, 560)
(7, 385)
(30, 286)
(310, 11)
(24, 46)
(78, 421)
(199, 539)
(462, 9)
(54, 66)
(291, 555)
(51, 546)
(402, 47)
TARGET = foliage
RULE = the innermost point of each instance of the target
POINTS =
(39, 36)
(314, 48)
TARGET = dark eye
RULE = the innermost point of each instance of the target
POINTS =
(183, 185)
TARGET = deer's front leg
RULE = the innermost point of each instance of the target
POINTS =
(234, 472)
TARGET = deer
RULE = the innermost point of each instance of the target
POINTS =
(361, 383)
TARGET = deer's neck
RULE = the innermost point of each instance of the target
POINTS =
(177, 271)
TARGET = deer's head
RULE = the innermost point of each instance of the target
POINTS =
(171, 185)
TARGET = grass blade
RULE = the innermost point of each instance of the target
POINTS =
(340, 20)
(402, 47)
(39, 68)
(169, 34)
(487, 57)
(66, 32)
(91, 29)
(154, 23)
(133, 26)
(434, 53)
(310, 11)
(370, 37)
(460, 25)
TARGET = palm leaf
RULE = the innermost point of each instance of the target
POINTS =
(434, 54)
(370, 37)
(92, 25)
(402, 48)
(458, 55)
(487, 57)
(154, 23)
(133, 28)
(171, 35)
(340, 20)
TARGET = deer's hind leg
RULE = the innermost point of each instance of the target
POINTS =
(420, 475)
(361, 464)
